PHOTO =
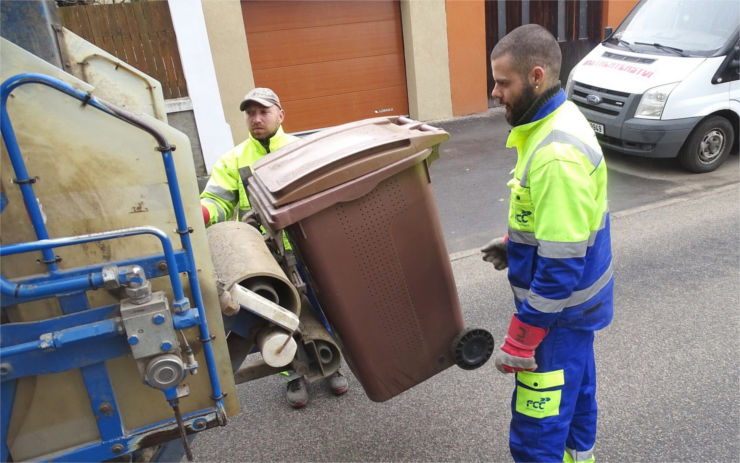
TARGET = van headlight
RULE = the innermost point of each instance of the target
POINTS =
(653, 101)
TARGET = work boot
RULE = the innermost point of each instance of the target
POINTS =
(296, 393)
(338, 383)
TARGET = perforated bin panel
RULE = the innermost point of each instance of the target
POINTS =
(384, 279)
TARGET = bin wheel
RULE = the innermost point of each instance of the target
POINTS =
(472, 348)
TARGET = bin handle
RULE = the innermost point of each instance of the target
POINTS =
(416, 125)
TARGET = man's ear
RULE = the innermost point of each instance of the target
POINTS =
(537, 76)
(282, 115)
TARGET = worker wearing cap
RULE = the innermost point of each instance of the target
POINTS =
(225, 193)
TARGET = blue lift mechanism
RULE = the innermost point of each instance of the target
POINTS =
(85, 337)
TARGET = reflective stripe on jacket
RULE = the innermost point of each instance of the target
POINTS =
(225, 189)
(559, 247)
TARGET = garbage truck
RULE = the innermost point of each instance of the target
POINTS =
(126, 324)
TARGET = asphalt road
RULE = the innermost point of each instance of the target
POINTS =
(667, 365)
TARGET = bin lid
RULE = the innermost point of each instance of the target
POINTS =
(279, 217)
(339, 154)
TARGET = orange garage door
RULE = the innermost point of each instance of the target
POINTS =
(330, 62)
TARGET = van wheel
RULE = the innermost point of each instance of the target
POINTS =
(708, 145)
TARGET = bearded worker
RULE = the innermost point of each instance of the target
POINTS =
(558, 251)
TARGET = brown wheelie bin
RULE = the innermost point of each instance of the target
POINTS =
(357, 203)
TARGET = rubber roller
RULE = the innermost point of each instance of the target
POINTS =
(277, 346)
(240, 256)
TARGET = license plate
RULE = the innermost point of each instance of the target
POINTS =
(598, 128)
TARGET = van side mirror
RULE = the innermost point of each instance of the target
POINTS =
(729, 70)
(608, 31)
(734, 65)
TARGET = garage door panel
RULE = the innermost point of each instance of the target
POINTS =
(329, 61)
(334, 77)
(314, 113)
(262, 16)
(307, 45)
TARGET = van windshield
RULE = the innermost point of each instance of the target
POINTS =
(678, 27)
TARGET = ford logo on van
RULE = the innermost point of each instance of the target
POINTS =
(593, 99)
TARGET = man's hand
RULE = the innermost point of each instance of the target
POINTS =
(206, 214)
(517, 353)
(250, 218)
(495, 252)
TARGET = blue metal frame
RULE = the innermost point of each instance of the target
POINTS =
(7, 397)
(315, 301)
(85, 337)
(151, 266)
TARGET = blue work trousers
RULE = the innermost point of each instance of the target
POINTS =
(555, 406)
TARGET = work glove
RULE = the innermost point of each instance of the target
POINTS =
(250, 218)
(206, 214)
(495, 252)
(517, 353)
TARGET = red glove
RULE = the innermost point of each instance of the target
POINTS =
(517, 353)
(206, 214)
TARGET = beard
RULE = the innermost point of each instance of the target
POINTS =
(265, 135)
(520, 106)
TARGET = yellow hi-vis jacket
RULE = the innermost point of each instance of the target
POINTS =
(225, 191)
(559, 247)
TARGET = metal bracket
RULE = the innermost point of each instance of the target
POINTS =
(149, 328)
(265, 308)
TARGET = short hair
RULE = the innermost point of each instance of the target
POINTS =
(530, 45)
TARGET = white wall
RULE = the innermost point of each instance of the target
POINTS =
(427, 59)
(197, 63)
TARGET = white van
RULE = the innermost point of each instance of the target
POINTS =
(666, 82)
